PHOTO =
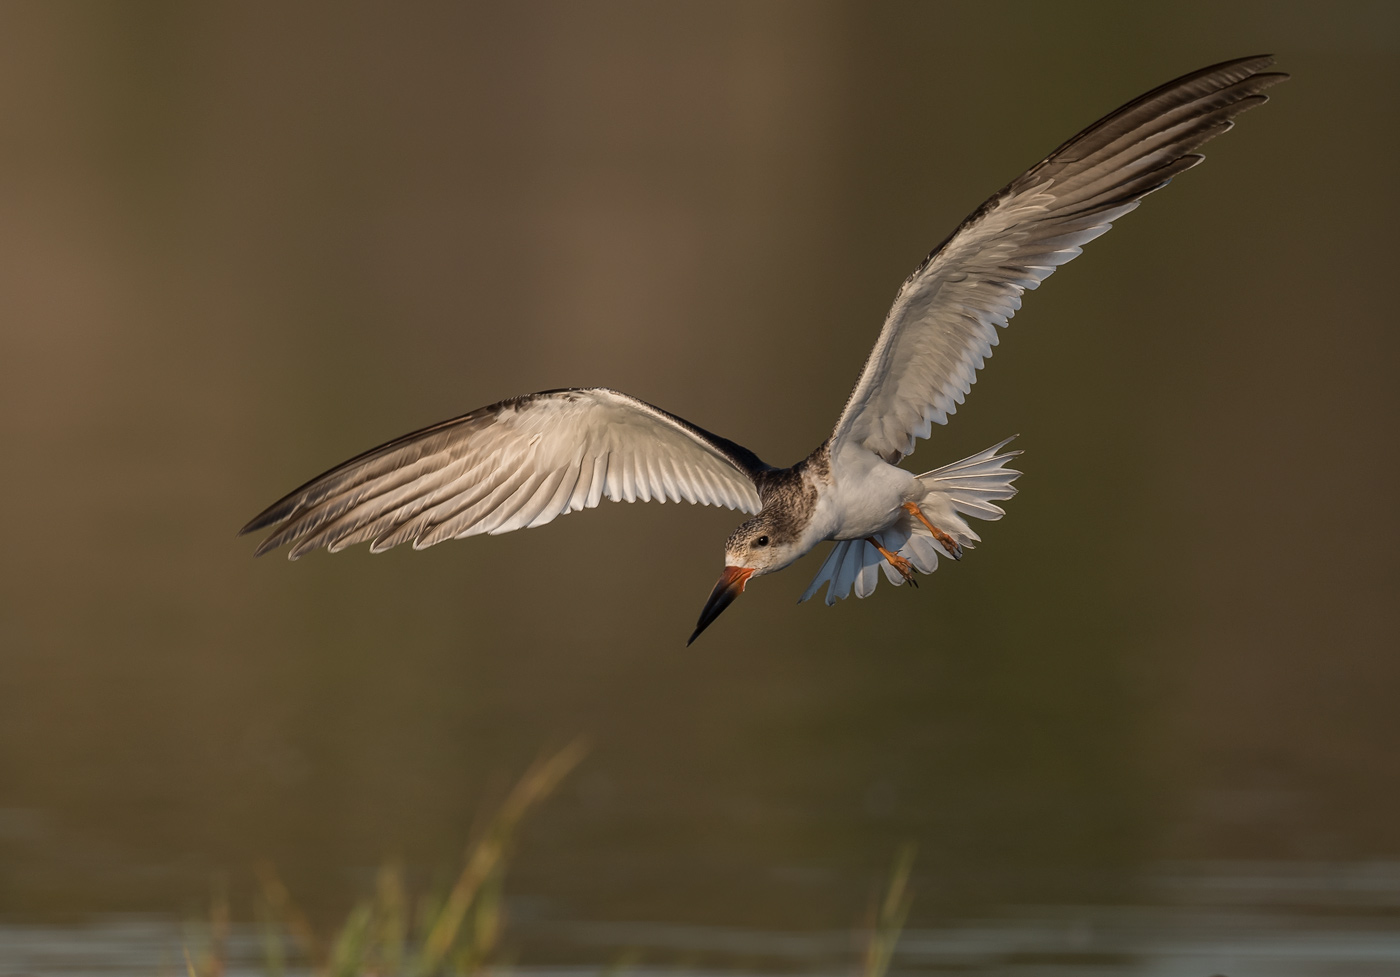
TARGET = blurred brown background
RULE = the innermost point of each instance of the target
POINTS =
(240, 243)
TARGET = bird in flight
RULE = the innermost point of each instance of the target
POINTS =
(520, 463)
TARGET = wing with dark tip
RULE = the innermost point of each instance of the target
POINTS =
(944, 320)
(514, 465)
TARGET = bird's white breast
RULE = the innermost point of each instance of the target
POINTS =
(863, 497)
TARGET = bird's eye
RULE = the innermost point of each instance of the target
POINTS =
(761, 541)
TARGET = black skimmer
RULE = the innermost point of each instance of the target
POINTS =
(520, 463)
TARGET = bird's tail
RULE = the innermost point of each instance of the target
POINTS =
(970, 487)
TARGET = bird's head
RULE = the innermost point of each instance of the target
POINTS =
(757, 547)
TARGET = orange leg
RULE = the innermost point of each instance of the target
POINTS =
(949, 543)
(905, 568)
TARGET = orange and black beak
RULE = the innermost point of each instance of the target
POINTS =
(731, 585)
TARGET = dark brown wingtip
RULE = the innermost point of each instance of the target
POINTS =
(270, 517)
(279, 512)
(253, 526)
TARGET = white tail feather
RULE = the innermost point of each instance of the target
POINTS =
(969, 487)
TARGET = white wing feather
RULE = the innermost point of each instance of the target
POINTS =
(945, 317)
(517, 464)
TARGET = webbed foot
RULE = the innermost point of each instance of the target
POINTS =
(905, 568)
(947, 542)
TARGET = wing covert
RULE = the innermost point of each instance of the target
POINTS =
(513, 465)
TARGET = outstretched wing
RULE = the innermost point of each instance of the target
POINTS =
(517, 464)
(942, 326)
